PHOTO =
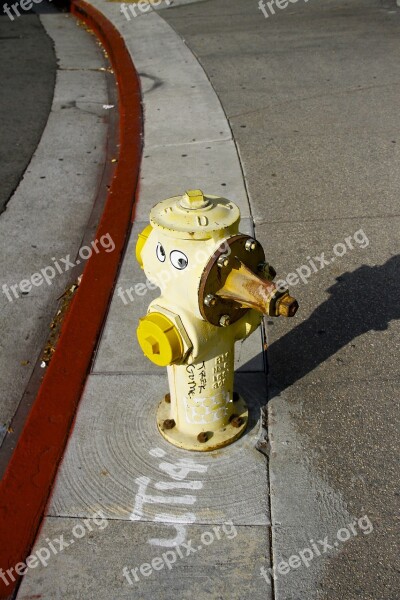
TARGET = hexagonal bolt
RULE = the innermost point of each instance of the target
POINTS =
(167, 398)
(203, 437)
(250, 245)
(236, 421)
(267, 271)
(222, 262)
(287, 306)
(225, 320)
(169, 424)
(210, 300)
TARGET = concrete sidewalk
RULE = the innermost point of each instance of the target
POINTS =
(23, 122)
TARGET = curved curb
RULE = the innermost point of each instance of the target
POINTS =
(27, 482)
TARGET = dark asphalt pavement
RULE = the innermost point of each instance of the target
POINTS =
(27, 76)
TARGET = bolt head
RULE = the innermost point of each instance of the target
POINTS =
(225, 320)
(210, 300)
(169, 424)
(236, 421)
(203, 437)
(223, 261)
(250, 245)
(267, 271)
(167, 398)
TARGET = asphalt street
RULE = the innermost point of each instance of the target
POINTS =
(27, 75)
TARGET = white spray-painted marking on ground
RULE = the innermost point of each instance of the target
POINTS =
(177, 472)
(179, 485)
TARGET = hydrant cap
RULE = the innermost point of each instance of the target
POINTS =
(159, 339)
(194, 215)
(142, 239)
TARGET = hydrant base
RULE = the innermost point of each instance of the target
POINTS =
(214, 439)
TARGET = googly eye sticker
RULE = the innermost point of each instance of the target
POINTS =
(160, 253)
(178, 260)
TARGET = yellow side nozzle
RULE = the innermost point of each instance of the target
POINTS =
(246, 289)
(142, 239)
(159, 339)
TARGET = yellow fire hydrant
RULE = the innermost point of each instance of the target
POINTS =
(215, 287)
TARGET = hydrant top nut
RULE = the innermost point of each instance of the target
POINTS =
(194, 199)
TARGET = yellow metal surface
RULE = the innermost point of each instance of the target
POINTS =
(195, 216)
(159, 339)
(142, 239)
(210, 440)
(194, 200)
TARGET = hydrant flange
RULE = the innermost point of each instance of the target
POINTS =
(203, 439)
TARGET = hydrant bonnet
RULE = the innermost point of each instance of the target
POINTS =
(195, 216)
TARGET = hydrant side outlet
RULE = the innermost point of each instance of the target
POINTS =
(159, 339)
(212, 293)
(142, 239)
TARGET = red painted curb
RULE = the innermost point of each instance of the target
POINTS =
(27, 482)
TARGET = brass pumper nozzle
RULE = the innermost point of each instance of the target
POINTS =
(248, 290)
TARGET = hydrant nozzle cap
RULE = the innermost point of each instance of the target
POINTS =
(142, 239)
(195, 215)
(159, 339)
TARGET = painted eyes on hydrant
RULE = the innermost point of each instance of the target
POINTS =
(178, 260)
(160, 252)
